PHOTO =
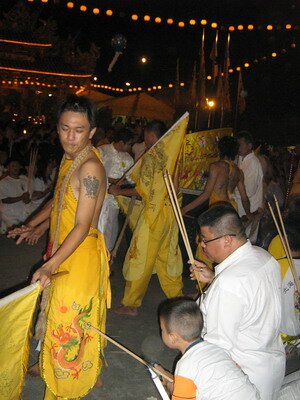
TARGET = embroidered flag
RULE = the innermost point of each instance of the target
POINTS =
(199, 151)
(16, 312)
(147, 172)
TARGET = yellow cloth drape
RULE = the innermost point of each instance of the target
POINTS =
(70, 357)
(147, 173)
(16, 312)
(123, 203)
(200, 150)
(154, 245)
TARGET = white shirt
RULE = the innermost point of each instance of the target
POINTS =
(214, 373)
(253, 174)
(242, 314)
(13, 213)
(116, 164)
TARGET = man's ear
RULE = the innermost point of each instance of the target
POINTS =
(173, 337)
(92, 133)
(228, 240)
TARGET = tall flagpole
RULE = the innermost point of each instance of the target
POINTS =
(213, 56)
(225, 92)
(202, 81)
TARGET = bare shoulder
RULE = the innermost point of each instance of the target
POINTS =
(218, 166)
(92, 165)
(215, 166)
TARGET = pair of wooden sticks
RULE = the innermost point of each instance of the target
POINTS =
(132, 354)
(179, 219)
(285, 243)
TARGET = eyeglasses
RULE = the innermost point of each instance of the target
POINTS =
(211, 240)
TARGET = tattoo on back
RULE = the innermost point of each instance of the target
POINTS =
(91, 184)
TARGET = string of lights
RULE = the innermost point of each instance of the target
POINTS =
(192, 22)
(44, 84)
(246, 65)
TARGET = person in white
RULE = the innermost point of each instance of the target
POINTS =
(242, 306)
(253, 180)
(13, 196)
(42, 183)
(205, 371)
(117, 161)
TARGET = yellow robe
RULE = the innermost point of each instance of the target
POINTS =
(70, 356)
(154, 244)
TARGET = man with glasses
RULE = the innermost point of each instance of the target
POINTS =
(242, 305)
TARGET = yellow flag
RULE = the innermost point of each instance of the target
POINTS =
(124, 204)
(148, 171)
(200, 150)
(16, 312)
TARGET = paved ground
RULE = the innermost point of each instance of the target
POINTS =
(124, 378)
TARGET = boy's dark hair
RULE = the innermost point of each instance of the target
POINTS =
(223, 220)
(246, 136)
(228, 147)
(157, 127)
(182, 316)
(79, 104)
(124, 135)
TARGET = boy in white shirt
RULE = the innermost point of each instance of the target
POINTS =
(205, 371)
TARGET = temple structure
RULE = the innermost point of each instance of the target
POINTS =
(37, 67)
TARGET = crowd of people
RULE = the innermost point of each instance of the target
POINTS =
(231, 337)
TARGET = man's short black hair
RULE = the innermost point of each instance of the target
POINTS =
(157, 127)
(182, 315)
(125, 135)
(228, 147)
(223, 220)
(79, 104)
(246, 136)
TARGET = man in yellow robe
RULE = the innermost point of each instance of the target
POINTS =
(69, 360)
(154, 244)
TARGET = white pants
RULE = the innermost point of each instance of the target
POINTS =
(108, 221)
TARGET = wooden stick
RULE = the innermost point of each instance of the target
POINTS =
(179, 219)
(138, 358)
(58, 274)
(120, 237)
(288, 248)
(294, 273)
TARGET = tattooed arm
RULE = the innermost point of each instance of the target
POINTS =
(92, 186)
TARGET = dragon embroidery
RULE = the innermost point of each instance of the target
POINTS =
(69, 345)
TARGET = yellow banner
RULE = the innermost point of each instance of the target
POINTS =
(16, 312)
(200, 150)
(147, 172)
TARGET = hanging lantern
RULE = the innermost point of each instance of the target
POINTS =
(118, 43)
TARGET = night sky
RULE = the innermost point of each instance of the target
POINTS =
(272, 86)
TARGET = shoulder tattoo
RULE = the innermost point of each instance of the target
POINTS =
(91, 184)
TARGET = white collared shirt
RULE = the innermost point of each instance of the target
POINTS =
(242, 314)
(253, 175)
(115, 162)
(214, 373)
